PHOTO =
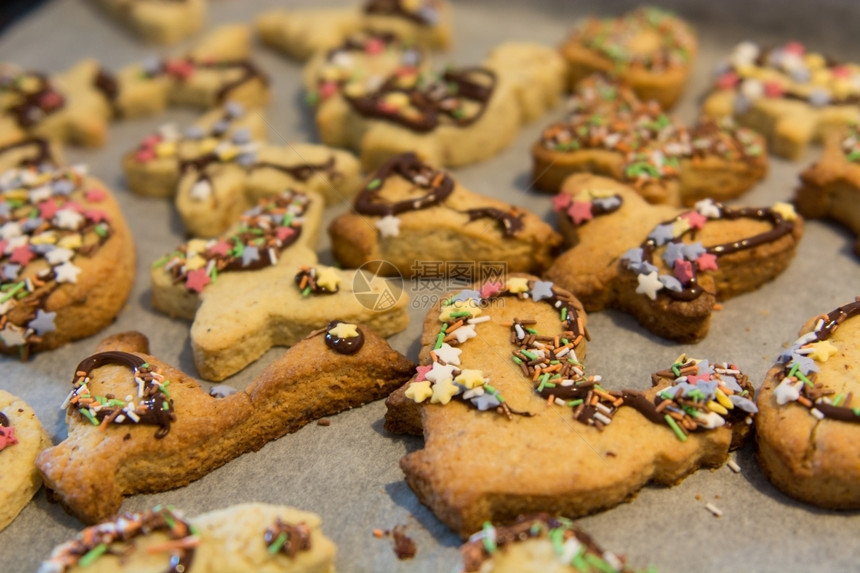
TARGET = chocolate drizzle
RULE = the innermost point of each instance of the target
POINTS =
(303, 171)
(32, 104)
(43, 155)
(511, 223)
(349, 345)
(429, 106)
(437, 184)
(4, 420)
(396, 8)
(106, 83)
(98, 539)
(287, 538)
(154, 408)
(780, 228)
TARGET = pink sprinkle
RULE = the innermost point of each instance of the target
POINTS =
(773, 89)
(95, 215)
(794, 48)
(693, 378)
(386, 107)
(490, 288)
(728, 80)
(374, 46)
(145, 155)
(7, 437)
(22, 255)
(695, 219)
(47, 209)
(284, 233)
(221, 248)
(707, 262)
(3, 244)
(841, 72)
(95, 195)
(328, 89)
(179, 68)
(683, 271)
(405, 71)
(150, 140)
(580, 212)
(422, 372)
(50, 100)
(561, 201)
(197, 280)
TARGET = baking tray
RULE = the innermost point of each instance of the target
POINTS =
(348, 472)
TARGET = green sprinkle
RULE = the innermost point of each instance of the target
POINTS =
(576, 402)
(565, 341)
(171, 523)
(163, 260)
(675, 428)
(563, 313)
(439, 340)
(88, 415)
(529, 355)
(213, 276)
(100, 230)
(517, 360)
(93, 554)
(793, 370)
(543, 381)
(556, 536)
(374, 183)
(312, 98)
(306, 292)
(277, 544)
(856, 411)
(192, 528)
(599, 563)
(165, 406)
(555, 361)
(458, 113)
(460, 314)
(11, 292)
(536, 528)
(676, 369)
(489, 535)
(145, 365)
(116, 403)
(853, 156)
(578, 561)
(532, 330)
(838, 399)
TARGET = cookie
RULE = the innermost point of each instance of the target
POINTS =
(537, 543)
(66, 258)
(36, 153)
(508, 374)
(650, 49)
(408, 212)
(72, 107)
(137, 425)
(809, 422)
(244, 537)
(22, 437)
(301, 34)
(259, 285)
(830, 188)
(666, 266)
(221, 166)
(609, 131)
(790, 95)
(453, 118)
(159, 21)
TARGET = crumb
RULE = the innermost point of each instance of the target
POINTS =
(718, 306)
(716, 497)
(748, 329)
(611, 454)
(698, 497)
(323, 422)
(404, 547)
(126, 437)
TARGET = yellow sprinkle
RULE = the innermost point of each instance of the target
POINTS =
(724, 400)
(419, 391)
(330, 73)
(16, 194)
(821, 77)
(469, 306)
(328, 278)
(786, 210)
(517, 285)
(717, 408)
(354, 89)
(443, 391)
(822, 350)
(228, 153)
(70, 242)
(470, 378)
(48, 238)
(165, 149)
(814, 61)
(196, 246)
(680, 226)
(344, 330)
(195, 263)
(397, 100)
(208, 144)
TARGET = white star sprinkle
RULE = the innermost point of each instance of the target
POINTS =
(201, 190)
(787, 392)
(449, 354)
(649, 285)
(67, 273)
(12, 335)
(439, 372)
(58, 255)
(68, 219)
(389, 226)
(708, 208)
(464, 333)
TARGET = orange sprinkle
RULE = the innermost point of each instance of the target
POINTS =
(183, 543)
(805, 401)
(718, 306)
(378, 533)
(455, 326)
(304, 282)
(550, 400)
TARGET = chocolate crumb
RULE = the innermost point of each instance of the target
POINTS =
(404, 547)
(126, 437)
(698, 497)
(323, 422)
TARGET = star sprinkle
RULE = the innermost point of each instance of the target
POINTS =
(58, 255)
(485, 401)
(22, 255)
(250, 254)
(561, 202)
(197, 280)
(786, 210)
(649, 284)
(671, 283)
(12, 335)
(328, 278)
(457, 308)
(464, 333)
(695, 219)
(219, 249)
(201, 190)
(707, 262)
(419, 391)
(680, 226)
(43, 323)
(823, 350)
(662, 234)
(787, 392)
(66, 273)
(707, 208)
(488, 289)
(633, 255)
(389, 226)
(443, 391)
(448, 353)
(673, 252)
(804, 364)
(421, 372)
(693, 251)
(284, 233)
(517, 285)
(683, 271)
(68, 219)
(95, 195)
(49, 208)
(439, 372)
(542, 290)
(470, 378)
(344, 330)
(580, 212)
(466, 294)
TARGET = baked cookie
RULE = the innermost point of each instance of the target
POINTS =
(66, 258)
(159, 21)
(790, 95)
(409, 212)
(34, 152)
(22, 437)
(72, 107)
(221, 166)
(259, 285)
(452, 118)
(301, 34)
(513, 415)
(649, 48)
(537, 543)
(138, 425)
(809, 423)
(245, 537)
(830, 188)
(609, 131)
(666, 266)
